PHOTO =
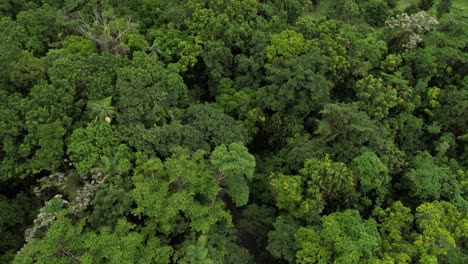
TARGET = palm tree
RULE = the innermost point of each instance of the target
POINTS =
(101, 109)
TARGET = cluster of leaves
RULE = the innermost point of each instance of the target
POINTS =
(246, 131)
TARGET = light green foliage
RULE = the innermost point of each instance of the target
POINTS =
(213, 19)
(155, 252)
(395, 228)
(333, 180)
(442, 228)
(334, 46)
(88, 145)
(205, 22)
(285, 45)
(287, 191)
(391, 63)
(322, 182)
(79, 46)
(378, 98)
(150, 194)
(344, 237)
(196, 252)
(174, 46)
(235, 166)
(60, 244)
(163, 191)
(121, 245)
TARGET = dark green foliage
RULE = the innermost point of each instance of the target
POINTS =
(376, 12)
(12, 219)
(426, 180)
(109, 204)
(281, 241)
(236, 131)
(412, 9)
(392, 3)
(443, 7)
(215, 126)
(425, 4)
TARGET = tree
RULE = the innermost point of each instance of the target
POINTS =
(27, 71)
(101, 109)
(40, 26)
(322, 184)
(443, 7)
(166, 193)
(442, 230)
(215, 126)
(408, 29)
(376, 12)
(147, 86)
(426, 179)
(425, 4)
(281, 240)
(372, 176)
(120, 245)
(196, 253)
(346, 10)
(347, 128)
(235, 166)
(377, 97)
(343, 237)
(110, 35)
(333, 180)
(395, 228)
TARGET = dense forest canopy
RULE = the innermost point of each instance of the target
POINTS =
(234, 131)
